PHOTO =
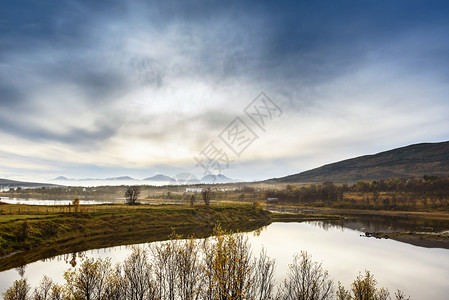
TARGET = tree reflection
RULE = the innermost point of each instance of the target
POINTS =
(21, 270)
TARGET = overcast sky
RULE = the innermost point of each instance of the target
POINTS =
(111, 88)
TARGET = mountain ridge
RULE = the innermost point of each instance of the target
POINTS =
(414, 160)
(5, 183)
(220, 178)
(181, 178)
(159, 177)
(121, 178)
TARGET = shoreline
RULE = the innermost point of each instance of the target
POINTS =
(115, 226)
(436, 237)
(79, 232)
(27, 231)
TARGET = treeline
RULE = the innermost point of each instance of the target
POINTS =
(221, 267)
(427, 185)
(395, 193)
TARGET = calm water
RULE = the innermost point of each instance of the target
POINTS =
(32, 201)
(420, 272)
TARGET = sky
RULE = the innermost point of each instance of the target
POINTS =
(249, 89)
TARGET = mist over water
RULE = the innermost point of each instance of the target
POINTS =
(102, 182)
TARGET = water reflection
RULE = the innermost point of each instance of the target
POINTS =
(258, 231)
(385, 224)
(34, 201)
(420, 272)
(21, 270)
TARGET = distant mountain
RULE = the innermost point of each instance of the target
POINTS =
(160, 178)
(121, 178)
(179, 179)
(184, 178)
(220, 178)
(62, 178)
(5, 183)
(410, 161)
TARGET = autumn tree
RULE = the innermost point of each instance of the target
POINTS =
(401, 296)
(228, 266)
(137, 280)
(263, 283)
(58, 292)
(364, 287)
(164, 261)
(18, 291)
(89, 281)
(342, 293)
(188, 269)
(43, 292)
(76, 204)
(307, 280)
(115, 286)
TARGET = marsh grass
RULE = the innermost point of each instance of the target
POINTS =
(111, 220)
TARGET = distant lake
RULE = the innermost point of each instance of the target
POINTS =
(33, 201)
(422, 273)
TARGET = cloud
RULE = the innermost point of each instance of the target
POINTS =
(144, 84)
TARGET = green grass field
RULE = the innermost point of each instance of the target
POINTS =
(25, 227)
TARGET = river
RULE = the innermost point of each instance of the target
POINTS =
(420, 272)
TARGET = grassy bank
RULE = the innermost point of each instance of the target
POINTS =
(28, 230)
(425, 229)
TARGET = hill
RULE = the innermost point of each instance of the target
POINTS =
(159, 177)
(220, 178)
(6, 183)
(410, 161)
(120, 178)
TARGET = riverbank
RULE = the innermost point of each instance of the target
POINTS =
(421, 239)
(47, 231)
(420, 228)
(28, 230)
(433, 214)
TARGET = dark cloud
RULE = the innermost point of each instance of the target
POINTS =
(10, 96)
(310, 42)
(60, 59)
(75, 137)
